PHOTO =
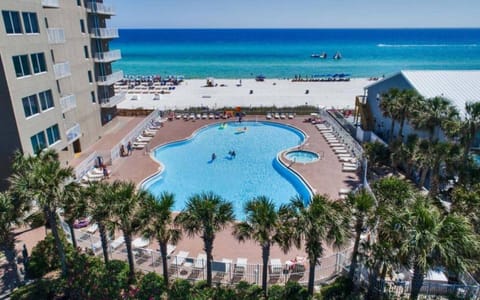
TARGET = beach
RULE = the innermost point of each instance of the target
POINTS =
(248, 93)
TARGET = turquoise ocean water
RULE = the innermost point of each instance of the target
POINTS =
(283, 53)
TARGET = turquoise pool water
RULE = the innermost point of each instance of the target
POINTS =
(302, 156)
(254, 171)
(476, 158)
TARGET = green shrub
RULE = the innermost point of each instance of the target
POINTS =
(180, 289)
(341, 288)
(294, 291)
(151, 287)
(44, 258)
(35, 220)
(276, 292)
(41, 289)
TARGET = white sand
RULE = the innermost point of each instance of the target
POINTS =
(271, 92)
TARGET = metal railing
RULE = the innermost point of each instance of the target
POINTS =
(68, 102)
(100, 8)
(108, 56)
(110, 79)
(50, 3)
(112, 101)
(134, 133)
(73, 133)
(104, 33)
(86, 165)
(56, 35)
(62, 70)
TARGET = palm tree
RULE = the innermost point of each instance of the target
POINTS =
(362, 204)
(427, 238)
(125, 208)
(406, 153)
(435, 114)
(408, 105)
(468, 128)
(466, 202)
(8, 218)
(156, 221)
(42, 178)
(261, 225)
(390, 107)
(74, 207)
(206, 214)
(319, 221)
(99, 209)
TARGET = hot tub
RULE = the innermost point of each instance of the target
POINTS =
(302, 156)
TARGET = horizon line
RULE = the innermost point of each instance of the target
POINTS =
(298, 28)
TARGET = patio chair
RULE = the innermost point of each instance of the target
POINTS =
(117, 242)
(239, 269)
(276, 269)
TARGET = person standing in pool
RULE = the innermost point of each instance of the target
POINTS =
(214, 156)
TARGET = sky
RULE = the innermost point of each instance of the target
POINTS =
(295, 13)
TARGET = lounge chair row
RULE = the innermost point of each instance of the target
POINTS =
(147, 135)
(349, 163)
(280, 115)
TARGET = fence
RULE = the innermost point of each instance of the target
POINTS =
(134, 133)
(225, 271)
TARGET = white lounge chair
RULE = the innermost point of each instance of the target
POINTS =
(140, 242)
(338, 148)
(117, 242)
(336, 145)
(142, 138)
(349, 169)
(291, 116)
(340, 151)
(276, 266)
(92, 228)
(268, 116)
(240, 266)
(201, 261)
(180, 258)
(170, 249)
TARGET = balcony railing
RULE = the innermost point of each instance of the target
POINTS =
(68, 102)
(104, 33)
(50, 3)
(112, 101)
(62, 70)
(56, 35)
(109, 56)
(73, 133)
(100, 8)
(110, 79)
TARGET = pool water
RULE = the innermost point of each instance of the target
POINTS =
(253, 171)
(476, 158)
(302, 156)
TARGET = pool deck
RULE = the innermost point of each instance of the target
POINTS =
(325, 176)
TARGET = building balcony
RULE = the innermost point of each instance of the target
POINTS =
(112, 101)
(104, 33)
(110, 79)
(73, 133)
(51, 3)
(56, 35)
(100, 8)
(105, 57)
(62, 70)
(68, 102)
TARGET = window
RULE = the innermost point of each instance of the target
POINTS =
(38, 142)
(46, 99)
(82, 26)
(38, 62)
(90, 76)
(85, 50)
(92, 95)
(22, 67)
(30, 105)
(30, 22)
(79, 2)
(12, 21)
(53, 134)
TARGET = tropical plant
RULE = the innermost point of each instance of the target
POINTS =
(125, 201)
(157, 222)
(389, 105)
(99, 209)
(466, 202)
(43, 179)
(205, 214)
(152, 287)
(408, 107)
(74, 207)
(262, 224)
(426, 238)
(321, 221)
(362, 204)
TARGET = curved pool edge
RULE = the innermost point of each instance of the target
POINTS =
(144, 184)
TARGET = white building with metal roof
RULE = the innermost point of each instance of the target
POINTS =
(459, 86)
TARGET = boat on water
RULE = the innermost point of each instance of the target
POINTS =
(337, 55)
(316, 55)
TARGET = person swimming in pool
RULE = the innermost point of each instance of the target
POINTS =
(214, 156)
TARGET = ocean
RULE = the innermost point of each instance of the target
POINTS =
(284, 53)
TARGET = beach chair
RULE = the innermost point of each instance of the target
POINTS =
(343, 151)
(92, 228)
(140, 242)
(276, 269)
(349, 169)
(117, 242)
(239, 269)
(198, 266)
(224, 269)
(180, 258)
(268, 116)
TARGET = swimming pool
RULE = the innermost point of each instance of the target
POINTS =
(302, 156)
(253, 171)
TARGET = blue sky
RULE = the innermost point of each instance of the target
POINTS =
(295, 13)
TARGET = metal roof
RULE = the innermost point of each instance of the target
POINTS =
(457, 86)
